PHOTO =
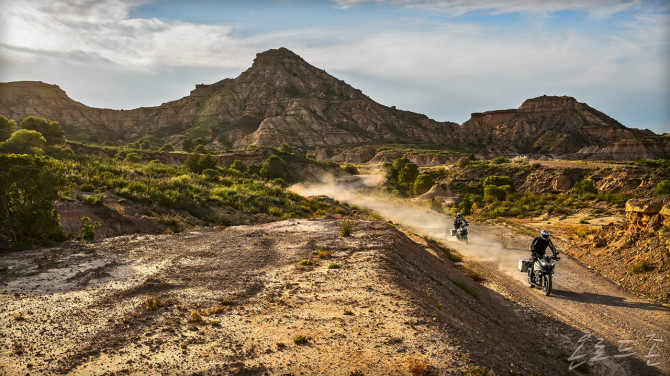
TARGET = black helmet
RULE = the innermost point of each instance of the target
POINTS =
(544, 234)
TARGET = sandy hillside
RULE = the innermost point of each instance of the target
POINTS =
(233, 301)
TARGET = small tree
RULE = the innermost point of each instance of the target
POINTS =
(28, 186)
(462, 162)
(24, 141)
(7, 127)
(187, 145)
(408, 174)
(49, 129)
(206, 162)
(274, 167)
(239, 166)
(422, 184)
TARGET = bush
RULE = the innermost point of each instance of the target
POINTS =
(49, 129)
(494, 193)
(498, 181)
(346, 226)
(499, 160)
(132, 158)
(663, 188)
(463, 162)
(87, 187)
(24, 141)
(274, 167)
(585, 186)
(422, 184)
(166, 148)
(88, 229)
(28, 186)
(350, 169)
(95, 200)
(7, 127)
(239, 166)
(408, 174)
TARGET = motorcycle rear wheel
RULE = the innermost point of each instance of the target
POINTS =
(546, 284)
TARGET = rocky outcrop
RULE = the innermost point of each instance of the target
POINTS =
(550, 125)
(279, 99)
(283, 99)
(638, 252)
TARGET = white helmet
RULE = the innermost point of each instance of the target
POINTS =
(544, 234)
(458, 214)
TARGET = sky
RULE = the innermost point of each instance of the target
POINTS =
(442, 58)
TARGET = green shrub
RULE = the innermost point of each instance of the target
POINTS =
(663, 188)
(499, 160)
(585, 186)
(7, 127)
(239, 166)
(49, 129)
(88, 229)
(498, 181)
(422, 184)
(132, 158)
(24, 141)
(274, 167)
(87, 187)
(346, 226)
(641, 266)
(94, 200)
(463, 162)
(350, 169)
(28, 187)
(300, 340)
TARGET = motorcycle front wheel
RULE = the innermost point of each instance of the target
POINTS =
(546, 284)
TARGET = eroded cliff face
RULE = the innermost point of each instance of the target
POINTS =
(638, 251)
(279, 99)
(283, 99)
(552, 125)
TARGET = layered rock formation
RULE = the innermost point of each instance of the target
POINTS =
(280, 99)
(555, 126)
(638, 252)
(283, 99)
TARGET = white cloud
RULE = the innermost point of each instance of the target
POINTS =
(444, 70)
(596, 8)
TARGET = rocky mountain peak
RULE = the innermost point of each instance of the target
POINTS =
(548, 103)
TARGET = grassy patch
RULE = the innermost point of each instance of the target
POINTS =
(334, 266)
(641, 266)
(301, 340)
(468, 290)
(346, 226)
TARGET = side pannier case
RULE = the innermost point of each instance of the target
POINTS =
(524, 265)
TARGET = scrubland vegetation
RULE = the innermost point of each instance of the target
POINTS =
(38, 168)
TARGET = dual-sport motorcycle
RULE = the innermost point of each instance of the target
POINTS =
(461, 233)
(541, 272)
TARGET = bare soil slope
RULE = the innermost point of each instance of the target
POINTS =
(233, 300)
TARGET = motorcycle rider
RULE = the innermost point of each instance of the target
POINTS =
(537, 250)
(459, 220)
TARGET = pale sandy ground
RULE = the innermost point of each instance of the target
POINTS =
(80, 308)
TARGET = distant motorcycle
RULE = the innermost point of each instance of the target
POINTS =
(542, 271)
(461, 233)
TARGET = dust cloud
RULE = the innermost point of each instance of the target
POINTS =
(484, 243)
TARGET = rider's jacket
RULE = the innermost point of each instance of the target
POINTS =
(459, 221)
(539, 246)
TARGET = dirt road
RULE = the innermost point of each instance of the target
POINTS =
(632, 333)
